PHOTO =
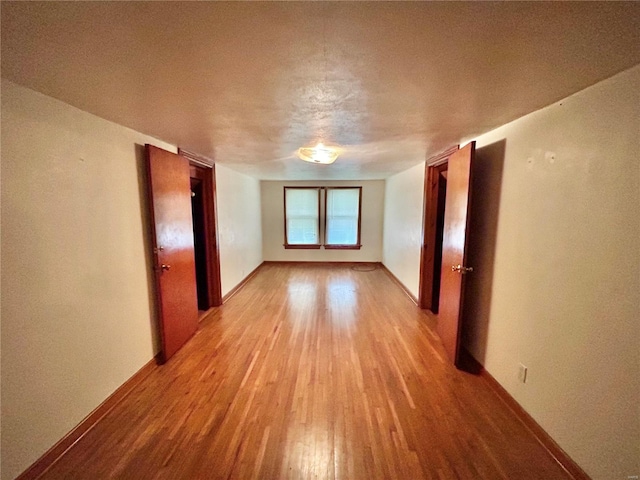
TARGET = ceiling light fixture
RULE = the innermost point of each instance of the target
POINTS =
(318, 154)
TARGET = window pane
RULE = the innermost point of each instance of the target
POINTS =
(302, 231)
(343, 209)
(302, 216)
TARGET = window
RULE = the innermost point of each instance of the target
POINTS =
(302, 217)
(342, 217)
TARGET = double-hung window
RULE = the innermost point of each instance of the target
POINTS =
(338, 215)
(302, 217)
(342, 217)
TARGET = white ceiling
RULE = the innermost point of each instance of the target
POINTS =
(248, 83)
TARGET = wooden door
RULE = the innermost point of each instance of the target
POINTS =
(175, 273)
(454, 268)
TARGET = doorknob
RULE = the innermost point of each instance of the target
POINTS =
(165, 266)
(459, 268)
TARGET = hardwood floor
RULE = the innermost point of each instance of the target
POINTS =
(317, 372)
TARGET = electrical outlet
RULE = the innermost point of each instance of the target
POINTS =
(522, 373)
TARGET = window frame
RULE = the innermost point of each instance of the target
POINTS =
(301, 246)
(358, 244)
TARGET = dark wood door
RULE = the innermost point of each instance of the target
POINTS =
(175, 273)
(454, 268)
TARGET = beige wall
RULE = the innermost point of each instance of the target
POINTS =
(76, 300)
(239, 225)
(273, 224)
(404, 194)
(555, 243)
(555, 237)
(556, 287)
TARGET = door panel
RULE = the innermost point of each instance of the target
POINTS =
(454, 250)
(170, 200)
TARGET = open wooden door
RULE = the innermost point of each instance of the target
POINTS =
(170, 200)
(454, 244)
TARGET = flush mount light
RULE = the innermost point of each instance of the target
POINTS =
(318, 154)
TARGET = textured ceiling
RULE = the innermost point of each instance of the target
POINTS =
(248, 83)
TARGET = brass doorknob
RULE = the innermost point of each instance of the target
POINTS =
(460, 269)
(165, 266)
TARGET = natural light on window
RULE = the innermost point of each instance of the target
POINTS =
(343, 217)
(302, 216)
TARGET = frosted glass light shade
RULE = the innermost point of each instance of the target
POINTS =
(318, 154)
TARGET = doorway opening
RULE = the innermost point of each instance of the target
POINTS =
(435, 194)
(199, 244)
(205, 237)
(437, 263)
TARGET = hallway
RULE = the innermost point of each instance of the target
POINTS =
(311, 371)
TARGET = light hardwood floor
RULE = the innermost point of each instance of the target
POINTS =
(311, 372)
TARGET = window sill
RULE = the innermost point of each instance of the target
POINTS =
(342, 247)
(302, 247)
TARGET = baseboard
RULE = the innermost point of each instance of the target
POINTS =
(59, 449)
(242, 283)
(399, 283)
(340, 263)
(549, 444)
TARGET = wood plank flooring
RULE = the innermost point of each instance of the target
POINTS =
(311, 372)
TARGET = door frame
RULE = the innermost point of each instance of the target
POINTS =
(204, 170)
(434, 166)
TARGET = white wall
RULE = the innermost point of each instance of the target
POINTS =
(371, 225)
(239, 225)
(76, 298)
(404, 193)
(557, 279)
